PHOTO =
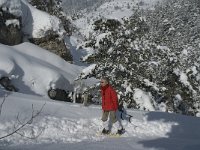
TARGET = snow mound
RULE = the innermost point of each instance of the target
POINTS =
(37, 23)
(34, 70)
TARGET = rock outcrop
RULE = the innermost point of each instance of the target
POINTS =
(54, 44)
(12, 31)
(10, 28)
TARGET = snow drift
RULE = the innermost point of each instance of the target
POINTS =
(34, 70)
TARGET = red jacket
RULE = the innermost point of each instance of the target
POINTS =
(109, 98)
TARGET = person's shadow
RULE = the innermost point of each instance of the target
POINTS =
(185, 135)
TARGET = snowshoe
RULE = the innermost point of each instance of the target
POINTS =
(121, 131)
(104, 131)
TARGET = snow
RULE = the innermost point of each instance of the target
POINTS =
(77, 53)
(62, 125)
(15, 22)
(12, 6)
(114, 9)
(109, 10)
(100, 37)
(36, 23)
(184, 79)
(88, 70)
(143, 99)
(34, 70)
(70, 126)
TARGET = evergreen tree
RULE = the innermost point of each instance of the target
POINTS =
(154, 50)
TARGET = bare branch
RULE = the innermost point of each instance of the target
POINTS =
(32, 137)
(1, 106)
(16, 129)
(4, 99)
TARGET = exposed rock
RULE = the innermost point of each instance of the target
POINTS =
(10, 29)
(11, 34)
(59, 94)
(52, 43)
(6, 83)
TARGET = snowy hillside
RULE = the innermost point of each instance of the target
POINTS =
(108, 9)
(78, 6)
(74, 6)
(66, 126)
(29, 120)
(114, 9)
(139, 46)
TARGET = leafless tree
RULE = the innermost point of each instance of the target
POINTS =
(1, 106)
(21, 124)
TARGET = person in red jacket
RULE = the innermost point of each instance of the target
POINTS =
(109, 106)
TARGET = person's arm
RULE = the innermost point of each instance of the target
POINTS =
(114, 99)
(102, 100)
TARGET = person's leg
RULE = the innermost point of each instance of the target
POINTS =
(112, 119)
(105, 122)
(120, 127)
(119, 120)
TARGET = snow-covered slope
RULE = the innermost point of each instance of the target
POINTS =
(34, 70)
(114, 9)
(110, 9)
(66, 126)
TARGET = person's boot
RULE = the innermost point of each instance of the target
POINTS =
(104, 131)
(121, 131)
